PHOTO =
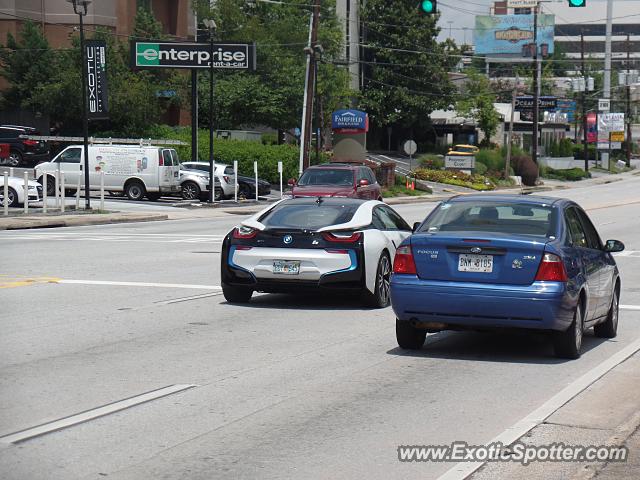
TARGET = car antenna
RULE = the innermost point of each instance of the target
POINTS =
(319, 200)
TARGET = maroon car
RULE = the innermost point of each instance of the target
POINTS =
(337, 180)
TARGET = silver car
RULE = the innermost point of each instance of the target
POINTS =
(223, 173)
(195, 184)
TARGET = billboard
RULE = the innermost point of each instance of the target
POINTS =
(97, 107)
(509, 34)
(159, 54)
(592, 127)
(349, 121)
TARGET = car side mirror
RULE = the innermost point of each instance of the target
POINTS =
(613, 246)
(416, 226)
(363, 182)
(292, 182)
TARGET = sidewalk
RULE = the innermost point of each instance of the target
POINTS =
(75, 220)
(606, 413)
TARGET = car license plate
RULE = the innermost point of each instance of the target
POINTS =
(286, 267)
(475, 263)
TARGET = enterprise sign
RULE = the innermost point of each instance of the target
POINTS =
(156, 54)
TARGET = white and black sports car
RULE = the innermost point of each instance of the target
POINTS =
(299, 243)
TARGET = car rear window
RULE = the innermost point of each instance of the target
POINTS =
(326, 176)
(513, 218)
(308, 216)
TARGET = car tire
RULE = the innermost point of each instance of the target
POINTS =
(244, 191)
(135, 190)
(14, 159)
(13, 197)
(380, 298)
(609, 328)
(568, 344)
(154, 196)
(51, 185)
(408, 336)
(218, 194)
(236, 294)
(191, 191)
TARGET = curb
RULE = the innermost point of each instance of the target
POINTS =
(25, 223)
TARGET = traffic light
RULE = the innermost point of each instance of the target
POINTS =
(429, 7)
(577, 3)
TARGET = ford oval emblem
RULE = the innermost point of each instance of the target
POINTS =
(287, 239)
(476, 250)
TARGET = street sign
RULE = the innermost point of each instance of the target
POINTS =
(97, 107)
(616, 146)
(604, 105)
(522, 3)
(410, 147)
(610, 122)
(226, 56)
(460, 162)
(617, 136)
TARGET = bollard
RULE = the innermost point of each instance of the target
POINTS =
(5, 198)
(11, 171)
(255, 172)
(63, 197)
(235, 180)
(44, 193)
(280, 172)
(58, 187)
(78, 194)
(101, 190)
(26, 192)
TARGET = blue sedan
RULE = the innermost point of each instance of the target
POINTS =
(483, 262)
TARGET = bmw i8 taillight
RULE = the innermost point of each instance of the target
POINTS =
(244, 233)
(551, 269)
(341, 237)
(403, 261)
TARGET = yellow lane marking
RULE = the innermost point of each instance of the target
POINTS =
(14, 281)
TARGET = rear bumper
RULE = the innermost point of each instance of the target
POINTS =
(440, 305)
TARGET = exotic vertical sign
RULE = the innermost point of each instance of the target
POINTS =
(96, 56)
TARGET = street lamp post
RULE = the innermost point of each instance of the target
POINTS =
(80, 8)
(211, 25)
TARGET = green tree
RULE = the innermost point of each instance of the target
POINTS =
(405, 68)
(477, 103)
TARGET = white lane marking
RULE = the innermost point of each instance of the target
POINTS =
(139, 284)
(186, 299)
(98, 237)
(629, 307)
(48, 234)
(462, 470)
(627, 253)
(87, 415)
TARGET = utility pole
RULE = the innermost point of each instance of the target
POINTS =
(607, 69)
(507, 164)
(194, 100)
(584, 107)
(627, 82)
(536, 89)
(307, 107)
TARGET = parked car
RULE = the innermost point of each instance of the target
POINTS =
(337, 180)
(313, 243)
(194, 184)
(22, 152)
(224, 174)
(506, 261)
(464, 150)
(137, 171)
(15, 192)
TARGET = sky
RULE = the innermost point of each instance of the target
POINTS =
(456, 15)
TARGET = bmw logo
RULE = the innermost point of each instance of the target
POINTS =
(287, 239)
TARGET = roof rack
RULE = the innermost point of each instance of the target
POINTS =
(104, 141)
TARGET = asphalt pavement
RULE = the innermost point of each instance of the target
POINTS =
(284, 387)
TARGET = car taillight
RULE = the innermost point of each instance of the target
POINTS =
(226, 179)
(30, 143)
(243, 232)
(403, 261)
(551, 269)
(341, 237)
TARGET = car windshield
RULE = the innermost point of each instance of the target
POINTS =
(308, 216)
(326, 176)
(497, 217)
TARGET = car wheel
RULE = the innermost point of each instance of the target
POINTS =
(51, 185)
(190, 191)
(609, 328)
(568, 344)
(236, 294)
(244, 191)
(134, 190)
(153, 196)
(408, 336)
(218, 195)
(12, 197)
(380, 298)
(14, 159)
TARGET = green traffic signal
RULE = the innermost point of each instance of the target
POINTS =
(428, 6)
(577, 3)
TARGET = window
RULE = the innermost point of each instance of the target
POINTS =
(592, 237)
(308, 216)
(167, 161)
(228, 171)
(72, 155)
(398, 221)
(576, 232)
(327, 176)
(9, 133)
(176, 160)
(368, 174)
(389, 219)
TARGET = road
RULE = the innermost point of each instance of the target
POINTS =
(284, 387)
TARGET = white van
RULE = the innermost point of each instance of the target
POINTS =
(137, 171)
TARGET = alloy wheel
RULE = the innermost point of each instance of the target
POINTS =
(384, 280)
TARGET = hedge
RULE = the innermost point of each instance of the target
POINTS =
(455, 177)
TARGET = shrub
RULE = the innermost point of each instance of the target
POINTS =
(524, 166)
(431, 161)
(566, 147)
(269, 138)
(578, 152)
(455, 177)
(570, 174)
(492, 159)
(481, 168)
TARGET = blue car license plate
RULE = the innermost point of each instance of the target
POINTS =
(475, 263)
(286, 267)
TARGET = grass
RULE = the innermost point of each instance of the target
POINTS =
(402, 191)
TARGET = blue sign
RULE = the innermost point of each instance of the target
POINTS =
(568, 107)
(296, 132)
(349, 119)
(511, 34)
